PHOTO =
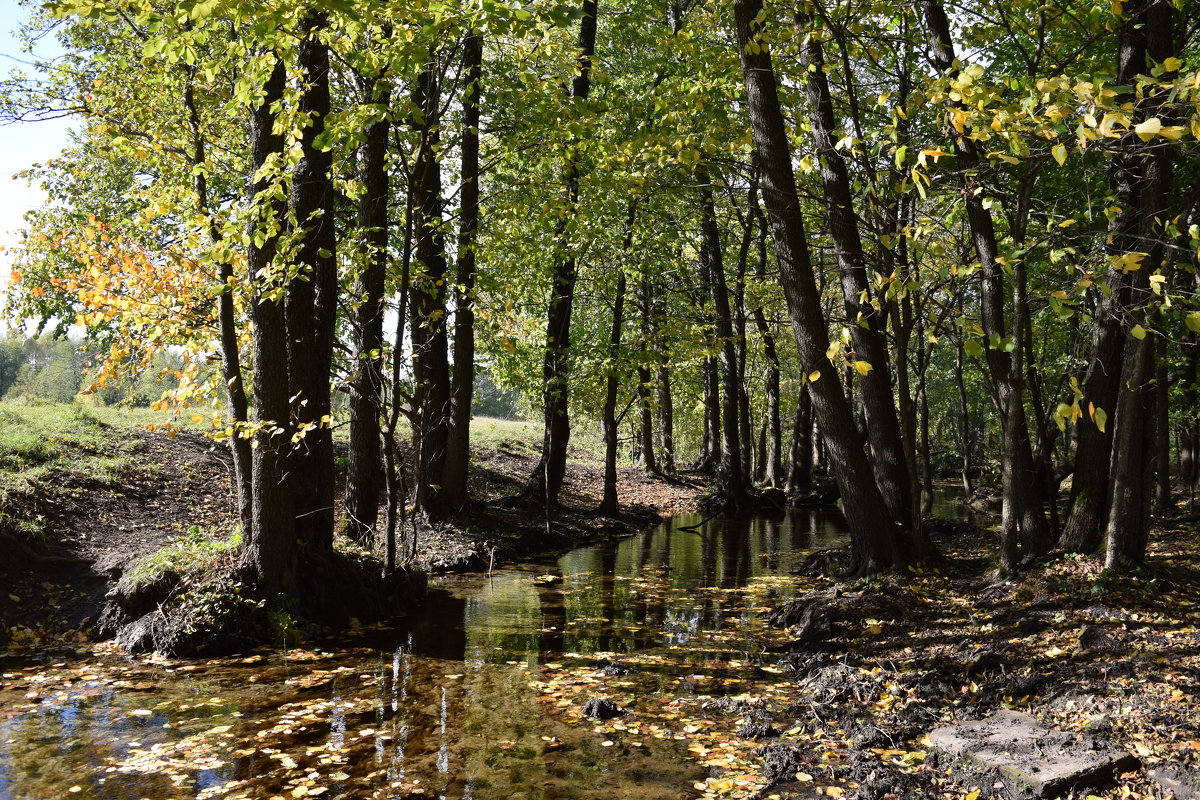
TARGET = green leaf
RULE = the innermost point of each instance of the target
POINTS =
(1059, 151)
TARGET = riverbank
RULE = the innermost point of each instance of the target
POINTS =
(89, 495)
(835, 690)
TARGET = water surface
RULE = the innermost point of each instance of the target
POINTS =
(450, 705)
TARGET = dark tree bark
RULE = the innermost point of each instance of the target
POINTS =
(732, 478)
(1189, 436)
(1133, 456)
(231, 363)
(1023, 514)
(773, 458)
(874, 544)
(427, 301)
(454, 495)
(1083, 532)
(666, 417)
(866, 323)
(547, 477)
(311, 311)
(740, 344)
(645, 386)
(1162, 433)
(800, 468)
(364, 478)
(270, 548)
(710, 444)
(609, 504)
(964, 421)
(397, 488)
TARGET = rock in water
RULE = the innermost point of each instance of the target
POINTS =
(601, 709)
(1022, 758)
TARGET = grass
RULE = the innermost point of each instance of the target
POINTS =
(43, 443)
(196, 550)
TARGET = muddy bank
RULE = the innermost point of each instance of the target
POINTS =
(93, 533)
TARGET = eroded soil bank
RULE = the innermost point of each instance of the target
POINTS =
(173, 490)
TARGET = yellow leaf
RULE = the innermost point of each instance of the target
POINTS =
(1101, 418)
(1149, 129)
(863, 367)
(972, 795)
(812, 376)
(1172, 64)
(197, 418)
(1138, 332)
(1059, 152)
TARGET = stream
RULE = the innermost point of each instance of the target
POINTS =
(476, 698)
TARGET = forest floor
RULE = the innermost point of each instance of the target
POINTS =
(87, 494)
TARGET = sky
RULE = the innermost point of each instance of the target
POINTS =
(21, 144)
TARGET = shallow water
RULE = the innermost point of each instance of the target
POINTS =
(456, 704)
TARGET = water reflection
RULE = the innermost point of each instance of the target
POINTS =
(444, 708)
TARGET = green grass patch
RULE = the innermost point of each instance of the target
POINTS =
(44, 446)
(196, 550)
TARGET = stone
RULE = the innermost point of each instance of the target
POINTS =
(1020, 757)
(1183, 783)
(601, 709)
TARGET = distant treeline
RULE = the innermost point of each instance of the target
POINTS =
(53, 369)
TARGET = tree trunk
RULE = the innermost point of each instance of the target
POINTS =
(231, 365)
(740, 344)
(773, 467)
(732, 478)
(609, 503)
(547, 477)
(1022, 493)
(427, 301)
(666, 417)
(800, 469)
(311, 308)
(1133, 455)
(645, 387)
(710, 445)
(363, 473)
(865, 322)
(454, 496)
(1162, 434)
(1090, 490)
(874, 544)
(1189, 436)
(964, 421)
(270, 548)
